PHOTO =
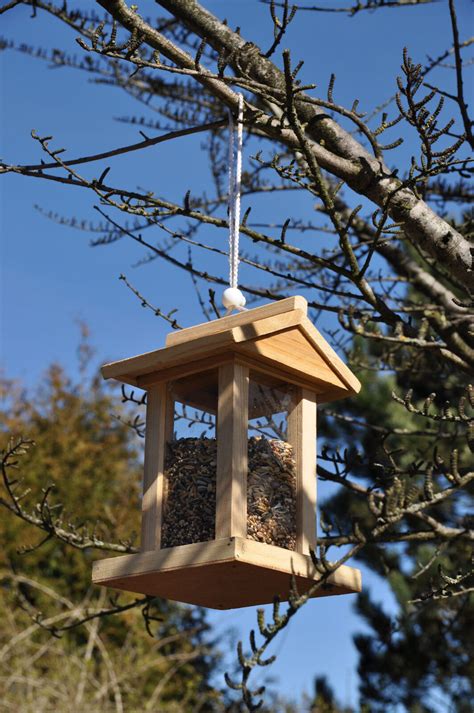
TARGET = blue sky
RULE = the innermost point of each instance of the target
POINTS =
(51, 278)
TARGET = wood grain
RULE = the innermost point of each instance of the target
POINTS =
(292, 349)
(302, 436)
(249, 316)
(222, 574)
(197, 366)
(168, 357)
(159, 421)
(279, 336)
(329, 355)
(232, 451)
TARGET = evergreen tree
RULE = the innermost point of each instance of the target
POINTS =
(80, 444)
(423, 657)
(324, 699)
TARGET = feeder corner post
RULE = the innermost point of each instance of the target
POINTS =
(232, 450)
(159, 425)
(302, 434)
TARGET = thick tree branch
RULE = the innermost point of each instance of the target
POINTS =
(373, 179)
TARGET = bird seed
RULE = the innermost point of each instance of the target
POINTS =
(190, 492)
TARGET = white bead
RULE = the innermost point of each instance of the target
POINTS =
(233, 298)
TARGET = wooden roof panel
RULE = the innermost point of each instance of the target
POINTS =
(293, 349)
(247, 318)
(279, 334)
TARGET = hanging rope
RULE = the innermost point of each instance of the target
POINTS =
(233, 299)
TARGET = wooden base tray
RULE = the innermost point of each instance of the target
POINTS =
(221, 574)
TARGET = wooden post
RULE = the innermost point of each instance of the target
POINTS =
(302, 436)
(232, 451)
(159, 424)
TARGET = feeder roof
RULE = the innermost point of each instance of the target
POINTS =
(277, 339)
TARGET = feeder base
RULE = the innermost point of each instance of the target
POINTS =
(221, 574)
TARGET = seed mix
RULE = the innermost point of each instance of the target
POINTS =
(190, 492)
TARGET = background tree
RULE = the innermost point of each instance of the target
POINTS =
(71, 434)
(391, 256)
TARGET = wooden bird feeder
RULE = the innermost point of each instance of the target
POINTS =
(240, 373)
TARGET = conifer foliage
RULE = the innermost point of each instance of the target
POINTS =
(63, 644)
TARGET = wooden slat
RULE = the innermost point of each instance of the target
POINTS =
(302, 436)
(224, 573)
(168, 357)
(292, 349)
(198, 366)
(214, 551)
(168, 558)
(200, 344)
(159, 422)
(232, 451)
(274, 309)
(329, 355)
(270, 325)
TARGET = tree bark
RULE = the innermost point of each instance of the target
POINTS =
(341, 154)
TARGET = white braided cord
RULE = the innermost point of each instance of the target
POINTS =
(235, 179)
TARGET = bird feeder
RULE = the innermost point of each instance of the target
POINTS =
(228, 518)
